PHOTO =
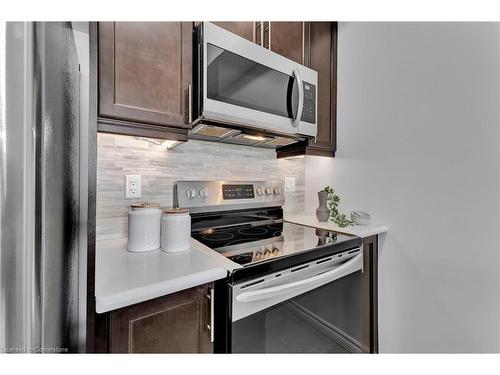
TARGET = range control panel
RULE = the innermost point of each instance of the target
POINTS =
(205, 196)
(309, 108)
(237, 192)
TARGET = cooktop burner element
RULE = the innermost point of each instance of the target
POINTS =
(218, 236)
(255, 231)
(236, 242)
(226, 237)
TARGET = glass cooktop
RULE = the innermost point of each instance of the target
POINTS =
(248, 244)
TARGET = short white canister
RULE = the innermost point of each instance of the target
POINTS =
(175, 230)
(144, 225)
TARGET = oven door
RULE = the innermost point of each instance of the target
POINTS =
(247, 85)
(309, 308)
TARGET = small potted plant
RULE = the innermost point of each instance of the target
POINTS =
(328, 208)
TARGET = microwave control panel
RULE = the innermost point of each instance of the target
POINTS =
(309, 108)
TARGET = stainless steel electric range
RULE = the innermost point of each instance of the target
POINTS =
(297, 289)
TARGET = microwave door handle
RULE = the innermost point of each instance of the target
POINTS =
(300, 105)
(352, 265)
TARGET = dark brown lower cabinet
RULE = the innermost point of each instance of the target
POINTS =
(369, 290)
(177, 323)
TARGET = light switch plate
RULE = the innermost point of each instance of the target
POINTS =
(132, 186)
(290, 183)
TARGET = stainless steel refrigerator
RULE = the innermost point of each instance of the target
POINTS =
(41, 272)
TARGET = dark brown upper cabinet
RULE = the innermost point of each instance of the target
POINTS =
(177, 323)
(323, 59)
(289, 39)
(321, 55)
(145, 74)
(243, 29)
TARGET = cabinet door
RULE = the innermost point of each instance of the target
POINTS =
(288, 39)
(145, 71)
(243, 29)
(323, 59)
(177, 323)
(369, 287)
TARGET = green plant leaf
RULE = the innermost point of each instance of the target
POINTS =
(333, 201)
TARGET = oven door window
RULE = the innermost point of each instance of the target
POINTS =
(236, 80)
(324, 320)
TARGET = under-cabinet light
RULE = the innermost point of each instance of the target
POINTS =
(253, 137)
(168, 144)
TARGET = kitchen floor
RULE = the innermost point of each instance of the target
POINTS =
(281, 328)
(283, 325)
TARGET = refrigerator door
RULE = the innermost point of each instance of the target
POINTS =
(57, 181)
(39, 187)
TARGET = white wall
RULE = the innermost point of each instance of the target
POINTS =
(418, 147)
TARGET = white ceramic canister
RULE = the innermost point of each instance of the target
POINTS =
(175, 230)
(144, 225)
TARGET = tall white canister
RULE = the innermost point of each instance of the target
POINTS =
(175, 230)
(144, 225)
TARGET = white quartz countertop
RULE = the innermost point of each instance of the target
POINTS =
(124, 278)
(357, 230)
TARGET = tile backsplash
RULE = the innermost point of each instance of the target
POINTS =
(119, 155)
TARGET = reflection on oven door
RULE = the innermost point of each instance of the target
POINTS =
(324, 320)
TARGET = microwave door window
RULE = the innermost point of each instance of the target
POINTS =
(236, 80)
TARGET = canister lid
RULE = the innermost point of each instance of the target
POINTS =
(174, 211)
(138, 206)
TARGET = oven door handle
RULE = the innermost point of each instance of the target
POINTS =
(300, 104)
(352, 265)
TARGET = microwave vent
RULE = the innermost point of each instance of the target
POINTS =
(212, 132)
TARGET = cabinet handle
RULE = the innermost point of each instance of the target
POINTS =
(269, 33)
(211, 326)
(262, 33)
(303, 43)
(190, 104)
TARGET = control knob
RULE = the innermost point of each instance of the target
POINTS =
(191, 193)
(203, 192)
(259, 190)
(269, 191)
(276, 190)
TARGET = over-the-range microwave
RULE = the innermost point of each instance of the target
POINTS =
(246, 94)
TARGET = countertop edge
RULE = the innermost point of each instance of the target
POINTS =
(228, 264)
(146, 293)
(217, 268)
(362, 231)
